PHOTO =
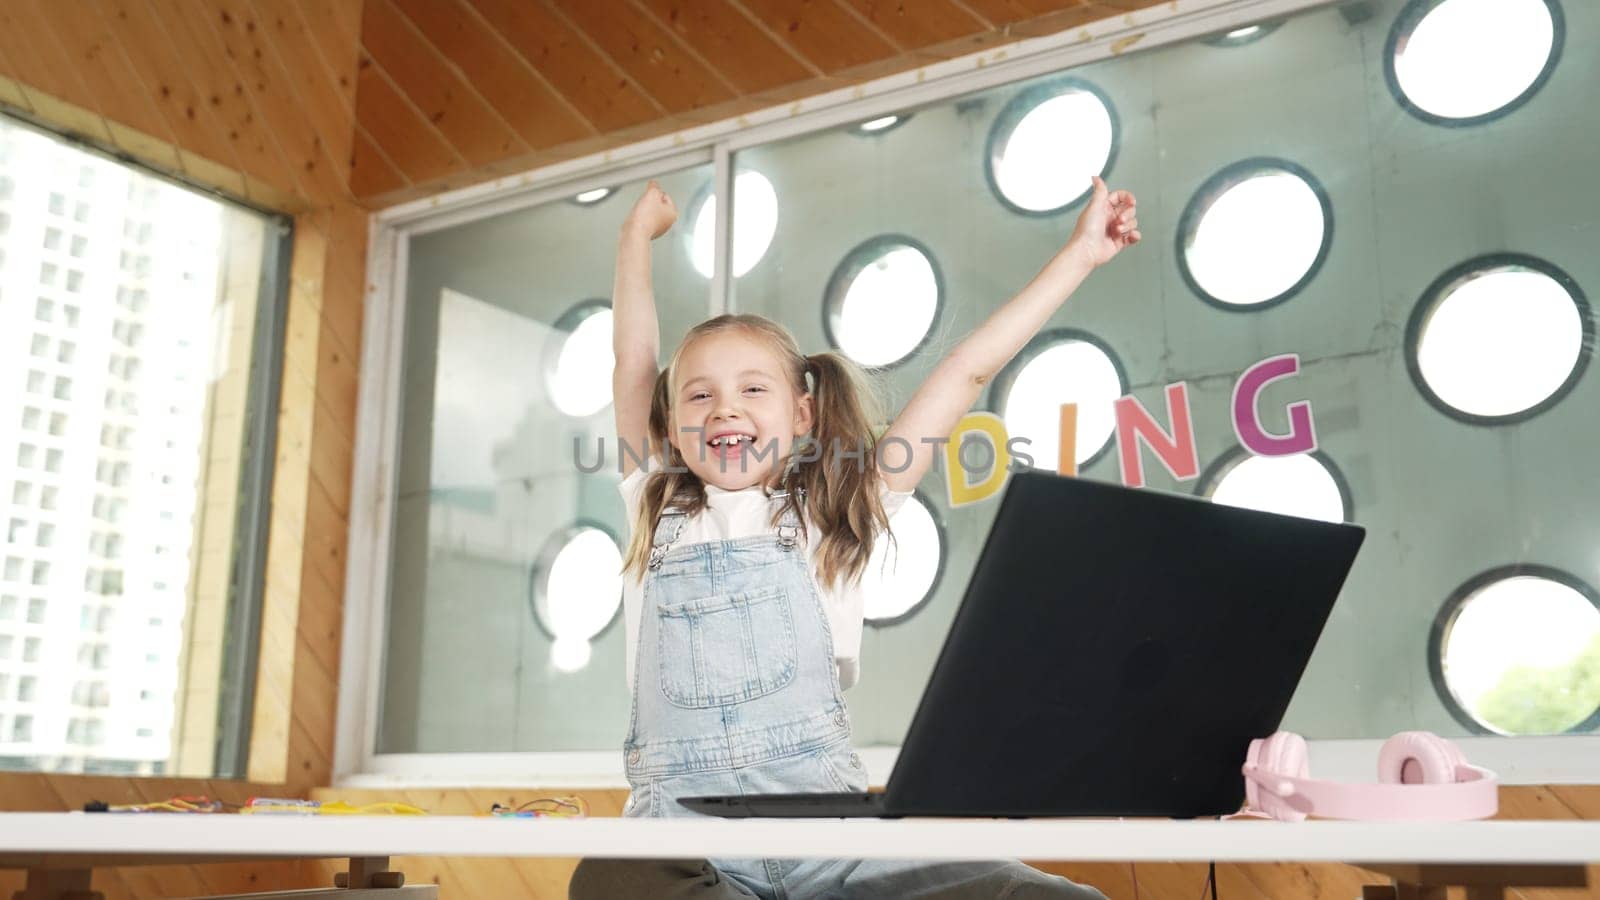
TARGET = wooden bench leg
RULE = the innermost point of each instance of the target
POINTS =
(58, 884)
(369, 872)
(1400, 890)
(1427, 881)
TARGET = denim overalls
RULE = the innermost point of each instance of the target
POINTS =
(736, 691)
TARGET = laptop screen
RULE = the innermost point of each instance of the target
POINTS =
(1115, 652)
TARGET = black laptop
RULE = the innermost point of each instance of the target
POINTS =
(1114, 654)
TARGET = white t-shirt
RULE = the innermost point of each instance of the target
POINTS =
(730, 515)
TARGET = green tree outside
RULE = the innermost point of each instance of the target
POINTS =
(1534, 700)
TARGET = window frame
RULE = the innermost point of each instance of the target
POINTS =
(374, 479)
(259, 446)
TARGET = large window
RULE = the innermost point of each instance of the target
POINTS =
(505, 594)
(1432, 278)
(138, 325)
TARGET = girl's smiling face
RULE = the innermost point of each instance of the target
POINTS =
(735, 412)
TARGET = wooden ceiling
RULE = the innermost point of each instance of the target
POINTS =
(252, 96)
(257, 96)
(450, 92)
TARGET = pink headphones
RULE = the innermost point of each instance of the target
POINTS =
(1421, 778)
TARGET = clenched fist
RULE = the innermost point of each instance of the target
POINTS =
(653, 214)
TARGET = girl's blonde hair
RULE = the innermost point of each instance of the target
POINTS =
(838, 492)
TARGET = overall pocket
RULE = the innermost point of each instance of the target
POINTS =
(725, 649)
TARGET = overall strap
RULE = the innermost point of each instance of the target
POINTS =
(789, 520)
(668, 527)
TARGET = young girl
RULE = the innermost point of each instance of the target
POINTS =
(742, 600)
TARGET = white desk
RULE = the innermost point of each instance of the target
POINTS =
(102, 834)
(82, 840)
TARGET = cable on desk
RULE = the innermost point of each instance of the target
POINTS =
(544, 807)
(277, 806)
(183, 804)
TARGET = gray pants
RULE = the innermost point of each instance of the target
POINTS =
(671, 879)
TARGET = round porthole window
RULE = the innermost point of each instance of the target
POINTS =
(902, 575)
(1462, 62)
(1060, 366)
(882, 300)
(1499, 339)
(755, 221)
(576, 591)
(1047, 142)
(1305, 485)
(579, 364)
(1254, 234)
(1517, 651)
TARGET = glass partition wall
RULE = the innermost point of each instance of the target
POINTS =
(1397, 193)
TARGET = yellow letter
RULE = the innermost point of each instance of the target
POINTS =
(988, 428)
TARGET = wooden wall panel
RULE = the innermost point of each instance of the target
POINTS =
(188, 117)
(257, 62)
(326, 92)
(399, 130)
(26, 45)
(256, 98)
(225, 96)
(374, 174)
(98, 56)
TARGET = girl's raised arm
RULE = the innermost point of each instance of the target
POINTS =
(635, 335)
(1107, 225)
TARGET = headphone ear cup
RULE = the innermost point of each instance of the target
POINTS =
(1255, 756)
(1418, 757)
(1291, 757)
(1284, 753)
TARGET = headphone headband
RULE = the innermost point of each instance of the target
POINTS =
(1443, 786)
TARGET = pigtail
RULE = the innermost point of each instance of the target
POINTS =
(839, 467)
